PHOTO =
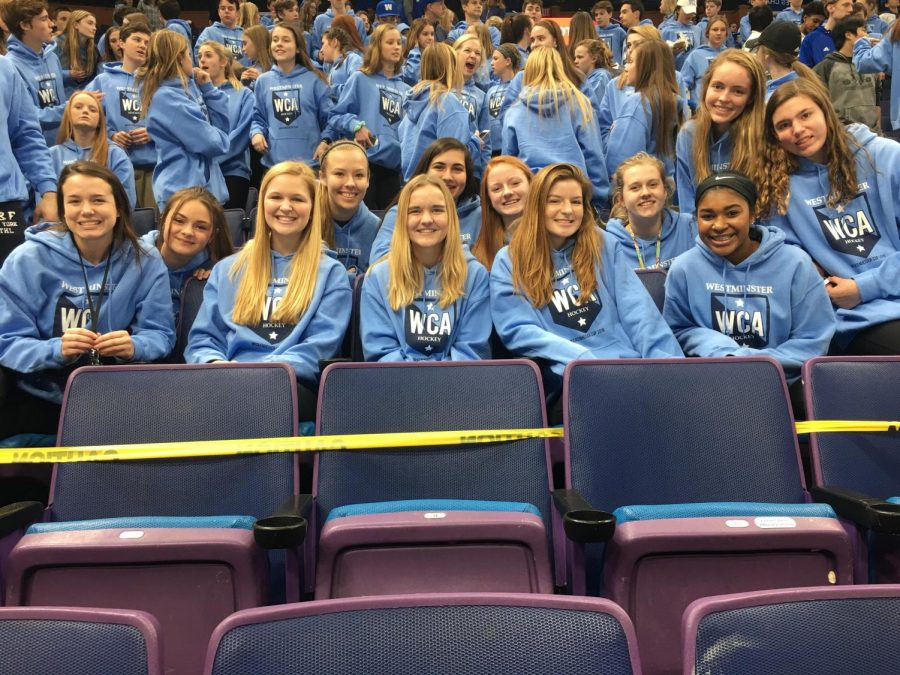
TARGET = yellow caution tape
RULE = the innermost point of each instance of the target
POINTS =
(105, 453)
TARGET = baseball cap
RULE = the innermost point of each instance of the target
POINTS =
(689, 6)
(387, 8)
(782, 37)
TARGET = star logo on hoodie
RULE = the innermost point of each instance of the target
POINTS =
(850, 228)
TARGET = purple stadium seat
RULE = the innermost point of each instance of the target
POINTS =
(654, 280)
(859, 473)
(435, 519)
(76, 641)
(698, 462)
(798, 631)
(500, 634)
(174, 537)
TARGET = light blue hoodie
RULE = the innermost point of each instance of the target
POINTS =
(42, 295)
(789, 14)
(423, 330)
(517, 83)
(424, 122)
(695, 65)
(496, 113)
(21, 140)
(861, 240)
(376, 100)
(353, 239)
(677, 236)
(411, 67)
(540, 134)
(190, 127)
(236, 161)
(292, 112)
(70, 84)
(474, 99)
(340, 72)
(460, 29)
(685, 172)
(183, 28)
(687, 32)
(323, 22)
(316, 336)
(122, 105)
(773, 303)
(610, 104)
(614, 37)
(772, 85)
(882, 58)
(469, 213)
(66, 153)
(633, 131)
(232, 38)
(178, 276)
(598, 79)
(44, 79)
(619, 321)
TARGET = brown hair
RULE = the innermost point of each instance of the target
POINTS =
(654, 70)
(219, 245)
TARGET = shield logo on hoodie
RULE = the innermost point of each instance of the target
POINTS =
(69, 315)
(272, 332)
(743, 318)
(286, 105)
(565, 311)
(47, 92)
(494, 103)
(468, 103)
(130, 105)
(850, 229)
(389, 105)
(234, 44)
(428, 332)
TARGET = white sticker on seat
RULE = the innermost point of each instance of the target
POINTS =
(736, 523)
(432, 516)
(131, 534)
(774, 522)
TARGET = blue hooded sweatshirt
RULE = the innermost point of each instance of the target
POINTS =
(376, 100)
(42, 295)
(21, 140)
(861, 240)
(292, 112)
(64, 154)
(474, 99)
(70, 84)
(773, 303)
(695, 65)
(517, 83)
(540, 134)
(353, 239)
(183, 28)
(323, 22)
(236, 161)
(614, 37)
(685, 172)
(632, 131)
(816, 46)
(316, 336)
(423, 330)
(620, 320)
(598, 79)
(772, 85)
(122, 105)
(496, 113)
(789, 14)
(677, 236)
(610, 104)
(460, 29)
(424, 122)
(685, 32)
(190, 127)
(469, 213)
(232, 38)
(340, 72)
(411, 71)
(179, 275)
(882, 58)
(44, 80)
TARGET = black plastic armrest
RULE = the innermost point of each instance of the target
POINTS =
(582, 522)
(871, 513)
(18, 516)
(286, 528)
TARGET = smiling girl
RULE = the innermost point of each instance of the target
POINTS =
(504, 191)
(698, 61)
(429, 299)
(420, 36)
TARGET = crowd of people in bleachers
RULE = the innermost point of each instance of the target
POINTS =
(465, 171)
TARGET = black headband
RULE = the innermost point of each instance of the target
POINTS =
(731, 180)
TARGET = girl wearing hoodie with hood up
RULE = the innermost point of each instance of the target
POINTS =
(432, 109)
(652, 235)
(563, 291)
(742, 291)
(429, 299)
(293, 103)
(834, 192)
(448, 160)
(82, 292)
(187, 118)
(552, 121)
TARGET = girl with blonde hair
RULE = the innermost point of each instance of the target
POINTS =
(552, 121)
(428, 299)
(77, 50)
(187, 118)
(282, 298)
(248, 15)
(82, 135)
(470, 57)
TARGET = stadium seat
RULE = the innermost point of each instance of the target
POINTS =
(491, 633)
(654, 280)
(75, 641)
(235, 219)
(859, 473)
(469, 517)
(252, 198)
(171, 537)
(352, 347)
(799, 631)
(251, 224)
(191, 299)
(144, 220)
(698, 461)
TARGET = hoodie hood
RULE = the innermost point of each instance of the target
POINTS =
(547, 107)
(21, 50)
(416, 103)
(677, 236)
(63, 244)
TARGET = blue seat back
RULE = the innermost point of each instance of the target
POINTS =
(380, 398)
(654, 280)
(855, 388)
(134, 404)
(191, 299)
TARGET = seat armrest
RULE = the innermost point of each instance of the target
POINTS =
(870, 513)
(286, 528)
(324, 363)
(18, 516)
(582, 522)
